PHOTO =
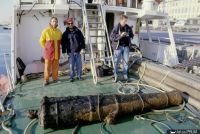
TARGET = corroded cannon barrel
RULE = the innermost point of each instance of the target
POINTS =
(62, 112)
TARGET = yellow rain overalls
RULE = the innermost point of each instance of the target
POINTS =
(50, 40)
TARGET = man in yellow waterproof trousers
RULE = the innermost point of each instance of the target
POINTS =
(50, 40)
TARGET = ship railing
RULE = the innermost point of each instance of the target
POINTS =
(157, 40)
(86, 1)
(9, 76)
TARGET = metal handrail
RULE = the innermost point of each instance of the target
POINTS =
(11, 84)
(9, 74)
(108, 39)
(95, 79)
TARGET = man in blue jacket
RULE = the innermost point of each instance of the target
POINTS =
(73, 44)
(121, 36)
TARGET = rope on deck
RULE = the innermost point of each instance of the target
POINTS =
(103, 124)
(28, 127)
(6, 128)
(138, 84)
(75, 130)
(139, 117)
(11, 114)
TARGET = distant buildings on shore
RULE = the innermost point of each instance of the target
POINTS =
(5, 23)
(184, 15)
(181, 9)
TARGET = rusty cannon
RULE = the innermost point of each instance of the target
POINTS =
(62, 112)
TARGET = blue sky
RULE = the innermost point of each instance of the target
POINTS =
(6, 10)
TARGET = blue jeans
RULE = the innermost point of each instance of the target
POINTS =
(121, 52)
(75, 60)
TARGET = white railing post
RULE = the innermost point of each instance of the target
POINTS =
(13, 45)
(148, 30)
(172, 42)
(158, 53)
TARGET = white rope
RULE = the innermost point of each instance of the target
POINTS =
(171, 110)
(138, 84)
(141, 76)
(98, 111)
(145, 85)
(90, 105)
(167, 99)
(159, 85)
(142, 102)
(29, 125)
(75, 129)
(124, 86)
(6, 128)
(138, 117)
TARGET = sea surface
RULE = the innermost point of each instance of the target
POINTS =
(5, 44)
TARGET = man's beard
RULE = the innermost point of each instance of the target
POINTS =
(71, 27)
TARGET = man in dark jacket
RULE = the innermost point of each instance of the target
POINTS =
(73, 44)
(121, 36)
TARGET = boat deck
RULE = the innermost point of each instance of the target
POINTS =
(28, 96)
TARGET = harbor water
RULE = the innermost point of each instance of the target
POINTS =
(5, 44)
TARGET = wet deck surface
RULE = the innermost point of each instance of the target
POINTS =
(29, 94)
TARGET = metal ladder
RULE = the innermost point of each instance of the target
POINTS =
(97, 37)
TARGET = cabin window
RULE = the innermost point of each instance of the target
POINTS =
(150, 22)
(109, 2)
(136, 3)
(122, 3)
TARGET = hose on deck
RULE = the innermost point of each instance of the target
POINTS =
(29, 126)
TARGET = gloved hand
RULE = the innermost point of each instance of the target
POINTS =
(65, 56)
(82, 51)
